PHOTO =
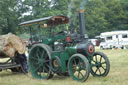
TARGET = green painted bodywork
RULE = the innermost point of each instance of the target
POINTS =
(50, 40)
(71, 49)
(63, 55)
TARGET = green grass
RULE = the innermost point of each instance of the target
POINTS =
(118, 74)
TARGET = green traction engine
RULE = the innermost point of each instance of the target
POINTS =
(65, 53)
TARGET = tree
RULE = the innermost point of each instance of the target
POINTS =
(9, 16)
(124, 19)
(104, 15)
(95, 18)
(100, 15)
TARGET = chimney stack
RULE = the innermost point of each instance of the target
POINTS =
(82, 23)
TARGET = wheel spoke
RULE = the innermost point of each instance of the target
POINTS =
(73, 69)
(100, 58)
(47, 65)
(103, 62)
(93, 65)
(37, 53)
(34, 58)
(37, 50)
(37, 68)
(42, 54)
(82, 67)
(37, 63)
(45, 69)
(37, 56)
(96, 58)
(103, 67)
(96, 70)
(78, 61)
(74, 62)
(80, 64)
(93, 61)
(46, 61)
(99, 71)
(81, 74)
(45, 55)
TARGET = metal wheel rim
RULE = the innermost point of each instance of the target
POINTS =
(99, 65)
(80, 74)
(39, 63)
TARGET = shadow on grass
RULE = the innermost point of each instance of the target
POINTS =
(57, 77)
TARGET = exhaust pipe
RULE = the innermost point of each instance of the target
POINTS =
(82, 23)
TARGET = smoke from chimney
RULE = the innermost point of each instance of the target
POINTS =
(83, 4)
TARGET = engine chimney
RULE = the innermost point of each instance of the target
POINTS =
(82, 23)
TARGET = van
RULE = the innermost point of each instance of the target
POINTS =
(114, 39)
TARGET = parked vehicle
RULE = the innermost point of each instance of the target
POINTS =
(95, 42)
(114, 39)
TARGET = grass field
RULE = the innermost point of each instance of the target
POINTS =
(118, 74)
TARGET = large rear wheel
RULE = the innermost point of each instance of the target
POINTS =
(39, 59)
(78, 67)
(100, 65)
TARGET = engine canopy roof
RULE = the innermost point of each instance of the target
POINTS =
(47, 21)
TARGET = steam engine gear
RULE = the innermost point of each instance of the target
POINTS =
(55, 64)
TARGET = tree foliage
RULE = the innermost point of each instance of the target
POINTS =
(9, 15)
(100, 15)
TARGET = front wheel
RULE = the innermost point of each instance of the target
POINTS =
(78, 67)
(99, 64)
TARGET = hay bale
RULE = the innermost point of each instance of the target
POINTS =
(11, 43)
